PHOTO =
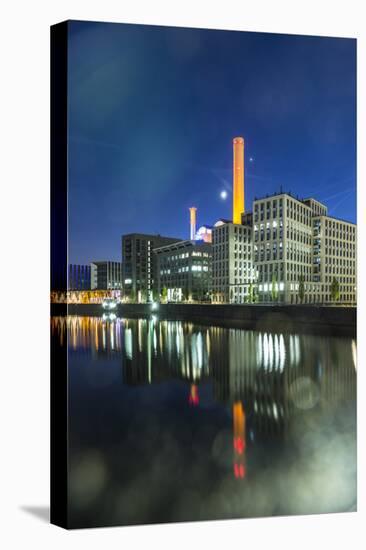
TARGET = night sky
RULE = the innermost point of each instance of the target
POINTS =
(152, 114)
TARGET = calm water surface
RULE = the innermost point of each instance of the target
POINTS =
(174, 421)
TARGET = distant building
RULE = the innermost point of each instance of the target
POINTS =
(106, 275)
(139, 264)
(78, 277)
(184, 269)
(204, 233)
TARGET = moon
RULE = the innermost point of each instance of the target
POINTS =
(223, 195)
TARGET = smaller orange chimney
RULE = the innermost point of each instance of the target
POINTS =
(193, 211)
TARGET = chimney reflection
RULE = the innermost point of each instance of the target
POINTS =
(193, 398)
(239, 440)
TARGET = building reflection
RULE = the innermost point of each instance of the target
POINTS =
(265, 379)
(94, 335)
(157, 351)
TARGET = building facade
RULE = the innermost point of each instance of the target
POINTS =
(291, 252)
(139, 280)
(233, 271)
(282, 246)
(79, 277)
(106, 275)
(184, 270)
(334, 257)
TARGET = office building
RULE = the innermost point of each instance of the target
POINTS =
(297, 252)
(106, 275)
(233, 272)
(78, 277)
(334, 257)
(282, 247)
(286, 250)
(139, 281)
(295, 240)
(184, 270)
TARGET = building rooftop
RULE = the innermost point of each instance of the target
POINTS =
(96, 262)
(336, 219)
(315, 200)
(222, 221)
(289, 194)
(152, 235)
(179, 245)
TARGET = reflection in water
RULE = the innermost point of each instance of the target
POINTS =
(239, 439)
(279, 403)
(193, 395)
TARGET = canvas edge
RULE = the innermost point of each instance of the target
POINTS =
(58, 270)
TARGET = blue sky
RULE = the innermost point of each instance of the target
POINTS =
(152, 114)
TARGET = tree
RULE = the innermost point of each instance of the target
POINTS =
(164, 294)
(334, 290)
(253, 292)
(301, 289)
(274, 290)
(250, 293)
(132, 295)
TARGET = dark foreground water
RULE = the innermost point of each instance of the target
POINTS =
(173, 421)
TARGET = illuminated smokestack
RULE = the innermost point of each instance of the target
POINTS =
(193, 211)
(238, 179)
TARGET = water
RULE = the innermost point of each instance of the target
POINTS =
(174, 421)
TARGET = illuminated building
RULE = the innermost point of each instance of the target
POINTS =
(282, 243)
(139, 264)
(285, 251)
(334, 256)
(184, 269)
(289, 239)
(204, 233)
(232, 266)
(294, 239)
(106, 275)
(265, 255)
(78, 277)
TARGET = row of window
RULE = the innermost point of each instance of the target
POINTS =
(345, 262)
(338, 231)
(273, 208)
(184, 269)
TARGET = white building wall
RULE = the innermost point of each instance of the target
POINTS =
(232, 263)
(290, 240)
